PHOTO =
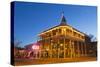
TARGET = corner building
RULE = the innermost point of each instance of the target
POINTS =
(62, 41)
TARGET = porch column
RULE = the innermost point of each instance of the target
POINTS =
(81, 49)
(71, 48)
(58, 47)
(51, 51)
(85, 49)
(78, 49)
(64, 49)
(68, 44)
(51, 47)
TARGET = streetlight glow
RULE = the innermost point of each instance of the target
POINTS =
(35, 47)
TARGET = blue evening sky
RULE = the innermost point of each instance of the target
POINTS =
(32, 18)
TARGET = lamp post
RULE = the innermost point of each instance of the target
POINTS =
(35, 48)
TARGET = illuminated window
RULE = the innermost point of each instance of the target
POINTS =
(61, 55)
(61, 47)
(54, 32)
(61, 40)
(59, 30)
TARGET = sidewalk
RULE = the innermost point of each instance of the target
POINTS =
(49, 61)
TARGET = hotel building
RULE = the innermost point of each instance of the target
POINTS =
(63, 41)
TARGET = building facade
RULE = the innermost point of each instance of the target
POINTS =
(62, 41)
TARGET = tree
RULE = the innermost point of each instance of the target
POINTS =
(92, 38)
(17, 44)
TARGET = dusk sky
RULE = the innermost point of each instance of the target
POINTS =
(30, 19)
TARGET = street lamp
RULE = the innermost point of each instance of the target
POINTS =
(35, 47)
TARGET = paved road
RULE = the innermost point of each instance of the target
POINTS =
(49, 61)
